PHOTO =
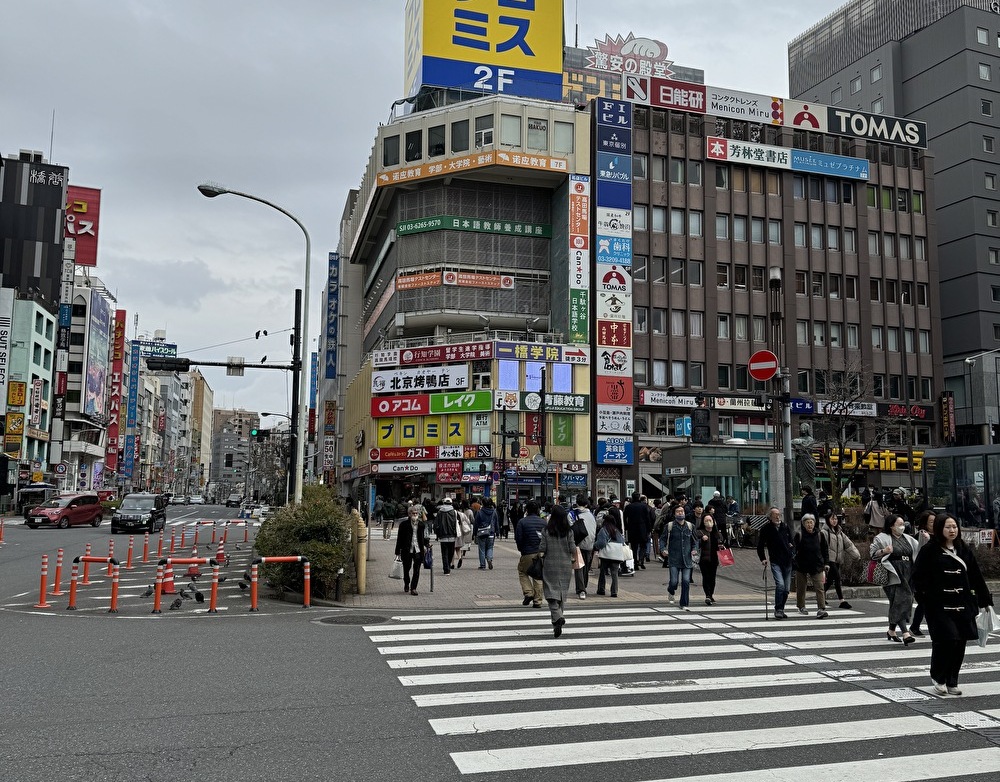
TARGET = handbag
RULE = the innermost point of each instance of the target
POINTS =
(726, 557)
(613, 550)
(987, 624)
(396, 571)
(428, 558)
(534, 569)
(577, 559)
(876, 574)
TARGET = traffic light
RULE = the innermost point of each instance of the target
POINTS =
(260, 435)
(254, 432)
(168, 364)
(701, 428)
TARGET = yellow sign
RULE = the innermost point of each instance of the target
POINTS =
(408, 429)
(457, 165)
(433, 427)
(385, 432)
(456, 429)
(508, 44)
(12, 445)
(15, 423)
(17, 393)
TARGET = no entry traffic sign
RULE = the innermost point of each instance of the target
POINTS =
(763, 365)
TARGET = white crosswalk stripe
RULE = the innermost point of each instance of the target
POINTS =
(632, 693)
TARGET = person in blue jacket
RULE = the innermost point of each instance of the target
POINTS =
(485, 531)
(677, 541)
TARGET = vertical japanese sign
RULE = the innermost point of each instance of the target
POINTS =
(83, 214)
(6, 323)
(95, 402)
(313, 389)
(579, 259)
(115, 439)
(332, 315)
(612, 272)
(35, 418)
(493, 47)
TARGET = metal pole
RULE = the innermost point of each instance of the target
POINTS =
(786, 440)
(294, 465)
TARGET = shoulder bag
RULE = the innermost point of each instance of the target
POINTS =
(534, 570)
(876, 574)
(726, 557)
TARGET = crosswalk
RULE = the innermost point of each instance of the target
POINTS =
(640, 693)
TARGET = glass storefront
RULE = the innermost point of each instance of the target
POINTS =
(966, 482)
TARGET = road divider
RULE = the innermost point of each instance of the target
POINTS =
(113, 566)
(276, 561)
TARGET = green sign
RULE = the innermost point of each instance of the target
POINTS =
(477, 224)
(462, 402)
(555, 403)
(579, 316)
(562, 430)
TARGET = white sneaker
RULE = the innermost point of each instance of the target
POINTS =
(954, 691)
(582, 595)
(670, 600)
(940, 689)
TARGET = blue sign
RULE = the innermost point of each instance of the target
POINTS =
(614, 250)
(133, 387)
(682, 426)
(66, 315)
(346, 461)
(616, 113)
(332, 315)
(155, 349)
(313, 378)
(510, 472)
(830, 165)
(615, 449)
(572, 480)
(614, 168)
(128, 460)
(802, 406)
(526, 83)
(614, 140)
(613, 195)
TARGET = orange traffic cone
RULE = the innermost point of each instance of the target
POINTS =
(220, 554)
(168, 581)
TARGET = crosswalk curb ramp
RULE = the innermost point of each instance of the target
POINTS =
(657, 694)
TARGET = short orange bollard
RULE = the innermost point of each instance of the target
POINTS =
(213, 600)
(253, 588)
(56, 591)
(197, 526)
(131, 546)
(115, 567)
(183, 536)
(1, 532)
(86, 566)
(276, 560)
(159, 546)
(246, 533)
(305, 584)
(225, 533)
(157, 589)
(213, 532)
(114, 590)
(111, 554)
(145, 548)
(171, 542)
(44, 582)
(72, 586)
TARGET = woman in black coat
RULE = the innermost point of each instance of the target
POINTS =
(709, 539)
(952, 590)
(411, 543)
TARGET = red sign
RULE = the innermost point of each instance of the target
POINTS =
(83, 213)
(403, 454)
(448, 472)
(913, 411)
(763, 365)
(410, 404)
(613, 390)
(664, 93)
(614, 334)
(116, 440)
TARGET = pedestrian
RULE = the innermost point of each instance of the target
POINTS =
(528, 537)
(609, 546)
(718, 508)
(678, 544)
(896, 551)
(923, 532)
(446, 531)
(809, 503)
(463, 539)
(810, 564)
(411, 545)
(775, 550)
(840, 550)
(638, 525)
(585, 521)
(559, 551)
(709, 539)
(951, 588)
(486, 528)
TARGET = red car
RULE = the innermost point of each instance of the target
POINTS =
(67, 510)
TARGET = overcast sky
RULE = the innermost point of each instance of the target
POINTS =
(279, 99)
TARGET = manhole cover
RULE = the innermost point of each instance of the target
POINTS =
(354, 619)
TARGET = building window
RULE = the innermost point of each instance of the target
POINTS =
(740, 276)
(816, 237)
(640, 318)
(924, 338)
(435, 141)
(855, 85)
(850, 240)
(725, 375)
(802, 332)
(640, 373)
(510, 130)
(875, 289)
(696, 273)
(836, 335)
(919, 248)
(694, 172)
(819, 334)
(818, 287)
(757, 278)
(757, 230)
(800, 234)
(722, 177)
(798, 187)
(851, 288)
(990, 181)
(741, 331)
(994, 256)
(696, 322)
(678, 374)
(986, 107)
(739, 228)
(922, 297)
(640, 221)
(803, 381)
(677, 267)
(722, 275)
(878, 386)
(676, 171)
(996, 332)
(538, 135)
(414, 145)
(563, 141)
(659, 375)
(904, 247)
(800, 284)
(878, 105)
(696, 220)
(874, 245)
(834, 286)
(889, 245)
(984, 72)
(722, 226)
(659, 320)
(853, 335)
(640, 163)
(725, 332)
(983, 36)
(677, 324)
(484, 130)
(988, 144)
(992, 218)
(917, 203)
(390, 151)
(876, 73)
(892, 339)
(676, 220)
(640, 265)
(460, 136)
(833, 237)
(759, 325)
(877, 343)
(837, 95)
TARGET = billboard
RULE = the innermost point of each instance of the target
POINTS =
(116, 439)
(332, 315)
(83, 213)
(95, 402)
(6, 322)
(485, 46)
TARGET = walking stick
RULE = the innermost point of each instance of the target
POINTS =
(764, 578)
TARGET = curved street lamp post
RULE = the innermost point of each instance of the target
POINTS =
(299, 410)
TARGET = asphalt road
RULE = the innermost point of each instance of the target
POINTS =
(631, 692)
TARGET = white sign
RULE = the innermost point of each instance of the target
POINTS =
(614, 278)
(614, 361)
(744, 105)
(385, 358)
(420, 379)
(614, 306)
(613, 222)
(862, 409)
(738, 403)
(400, 468)
(663, 399)
(615, 419)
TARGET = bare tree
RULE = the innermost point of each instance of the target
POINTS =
(845, 428)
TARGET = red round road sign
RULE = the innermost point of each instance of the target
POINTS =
(763, 365)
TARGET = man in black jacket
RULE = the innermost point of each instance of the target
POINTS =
(719, 510)
(638, 525)
(527, 536)
(775, 550)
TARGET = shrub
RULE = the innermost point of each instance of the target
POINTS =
(989, 561)
(317, 529)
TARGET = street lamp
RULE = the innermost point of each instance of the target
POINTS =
(299, 409)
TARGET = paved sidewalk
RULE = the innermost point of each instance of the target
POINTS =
(469, 588)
